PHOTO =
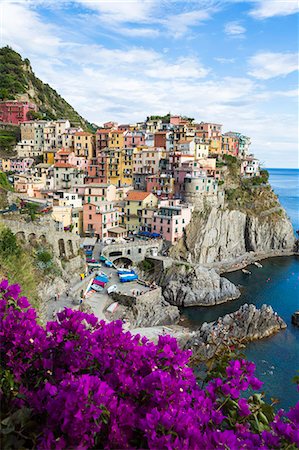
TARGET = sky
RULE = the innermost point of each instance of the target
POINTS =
(233, 62)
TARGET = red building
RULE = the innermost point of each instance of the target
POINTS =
(160, 139)
(97, 169)
(15, 112)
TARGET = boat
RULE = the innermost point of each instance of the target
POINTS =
(128, 277)
(246, 272)
(257, 264)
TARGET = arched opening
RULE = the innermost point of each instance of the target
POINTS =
(70, 247)
(32, 239)
(20, 235)
(116, 253)
(61, 247)
(123, 262)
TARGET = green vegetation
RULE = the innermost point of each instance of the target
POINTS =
(4, 183)
(31, 209)
(146, 265)
(9, 136)
(17, 77)
(17, 264)
(165, 119)
(26, 264)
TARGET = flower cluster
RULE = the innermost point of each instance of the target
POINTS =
(88, 384)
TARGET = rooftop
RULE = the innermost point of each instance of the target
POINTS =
(137, 195)
(64, 165)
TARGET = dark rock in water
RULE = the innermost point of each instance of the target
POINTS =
(246, 324)
(295, 318)
(194, 285)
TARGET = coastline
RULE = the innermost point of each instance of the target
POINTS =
(246, 259)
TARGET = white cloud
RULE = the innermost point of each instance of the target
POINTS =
(234, 29)
(225, 60)
(22, 28)
(266, 65)
(179, 24)
(271, 8)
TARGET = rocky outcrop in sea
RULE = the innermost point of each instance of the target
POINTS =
(247, 324)
(194, 285)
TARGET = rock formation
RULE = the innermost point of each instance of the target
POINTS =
(186, 285)
(246, 324)
(224, 235)
(146, 310)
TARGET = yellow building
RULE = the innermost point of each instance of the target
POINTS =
(215, 147)
(119, 166)
(84, 144)
(116, 139)
(135, 205)
(49, 156)
(6, 165)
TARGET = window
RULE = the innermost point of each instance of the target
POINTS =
(90, 216)
(88, 199)
(196, 188)
(90, 208)
(139, 250)
(128, 252)
(176, 230)
(168, 230)
(140, 203)
(128, 202)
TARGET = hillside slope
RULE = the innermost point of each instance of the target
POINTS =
(18, 81)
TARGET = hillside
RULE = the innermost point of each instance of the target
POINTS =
(18, 81)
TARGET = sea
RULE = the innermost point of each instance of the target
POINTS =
(276, 284)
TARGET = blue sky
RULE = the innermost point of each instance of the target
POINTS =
(233, 62)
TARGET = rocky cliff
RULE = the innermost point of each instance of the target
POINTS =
(245, 325)
(224, 234)
(187, 285)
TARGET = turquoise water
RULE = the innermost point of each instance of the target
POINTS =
(277, 284)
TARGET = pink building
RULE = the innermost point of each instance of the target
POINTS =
(134, 139)
(171, 219)
(21, 165)
(191, 168)
(13, 111)
(162, 185)
(69, 157)
(208, 130)
(99, 219)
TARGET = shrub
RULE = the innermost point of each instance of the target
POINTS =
(8, 243)
(81, 383)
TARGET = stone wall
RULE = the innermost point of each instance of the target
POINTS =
(134, 251)
(65, 245)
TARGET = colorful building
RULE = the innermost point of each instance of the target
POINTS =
(84, 144)
(15, 112)
(135, 205)
(171, 220)
(99, 218)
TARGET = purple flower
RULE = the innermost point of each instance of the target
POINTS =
(243, 407)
